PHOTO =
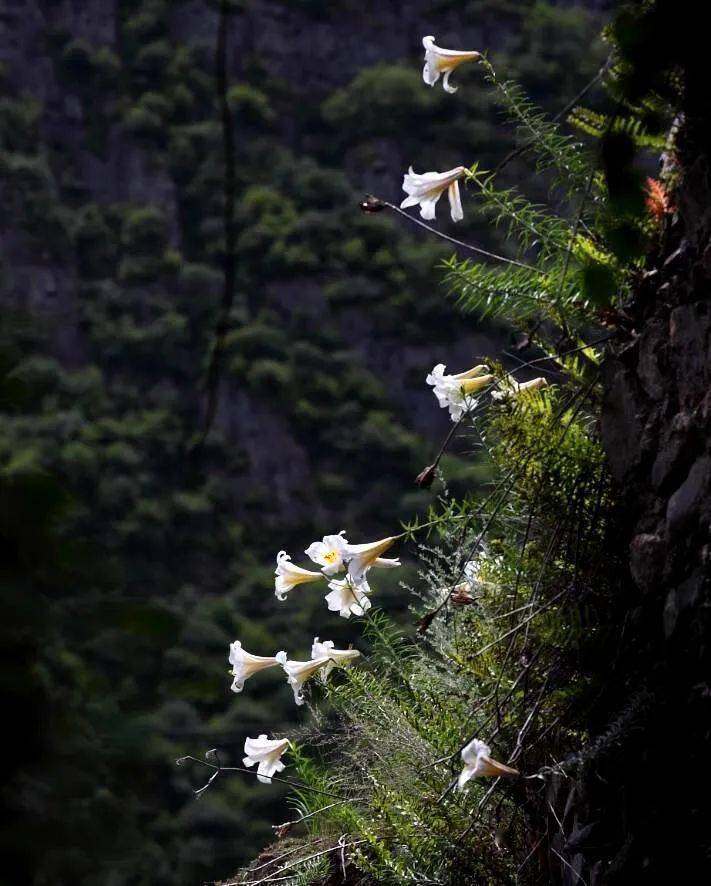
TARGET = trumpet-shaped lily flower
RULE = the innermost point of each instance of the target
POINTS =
(266, 753)
(288, 575)
(300, 672)
(244, 664)
(511, 388)
(426, 189)
(477, 762)
(361, 557)
(457, 391)
(328, 553)
(440, 61)
(337, 658)
(348, 597)
(387, 562)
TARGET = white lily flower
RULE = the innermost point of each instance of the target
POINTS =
(328, 553)
(337, 658)
(443, 61)
(361, 557)
(244, 664)
(457, 391)
(348, 597)
(477, 762)
(426, 189)
(300, 672)
(472, 573)
(511, 388)
(288, 575)
(267, 753)
(387, 562)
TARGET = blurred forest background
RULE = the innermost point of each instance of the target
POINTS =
(129, 559)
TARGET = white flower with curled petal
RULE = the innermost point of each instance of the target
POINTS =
(348, 597)
(244, 664)
(300, 672)
(440, 61)
(266, 753)
(387, 562)
(328, 553)
(477, 762)
(456, 392)
(361, 557)
(337, 658)
(288, 575)
(511, 388)
(426, 188)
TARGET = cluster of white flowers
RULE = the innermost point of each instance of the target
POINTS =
(334, 554)
(457, 392)
(348, 596)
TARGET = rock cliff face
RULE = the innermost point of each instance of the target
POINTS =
(636, 811)
(94, 158)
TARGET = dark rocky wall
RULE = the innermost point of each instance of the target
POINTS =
(636, 810)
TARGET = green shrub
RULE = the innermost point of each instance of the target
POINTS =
(151, 62)
(19, 124)
(382, 100)
(27, 174)
(120, 452)
(145, 124)
(269, 376)
(145, 231)
(79, 461)
(249, 105)
(259, 339)
(200, 279)
(134, 270)
(95, 242)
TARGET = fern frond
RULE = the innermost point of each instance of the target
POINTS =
(526, 223)
(554, 151)
(595, 124)
(516, 294)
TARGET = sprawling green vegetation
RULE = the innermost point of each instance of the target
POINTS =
(512, 583)
(149, 556)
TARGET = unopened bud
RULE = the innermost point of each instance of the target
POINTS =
(281, 830)
(425, 478)
(372, 204)
(460, 596)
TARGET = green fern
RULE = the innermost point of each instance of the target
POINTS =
(595, 124)
(528, 224)
(554, 151)
(516, 294)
